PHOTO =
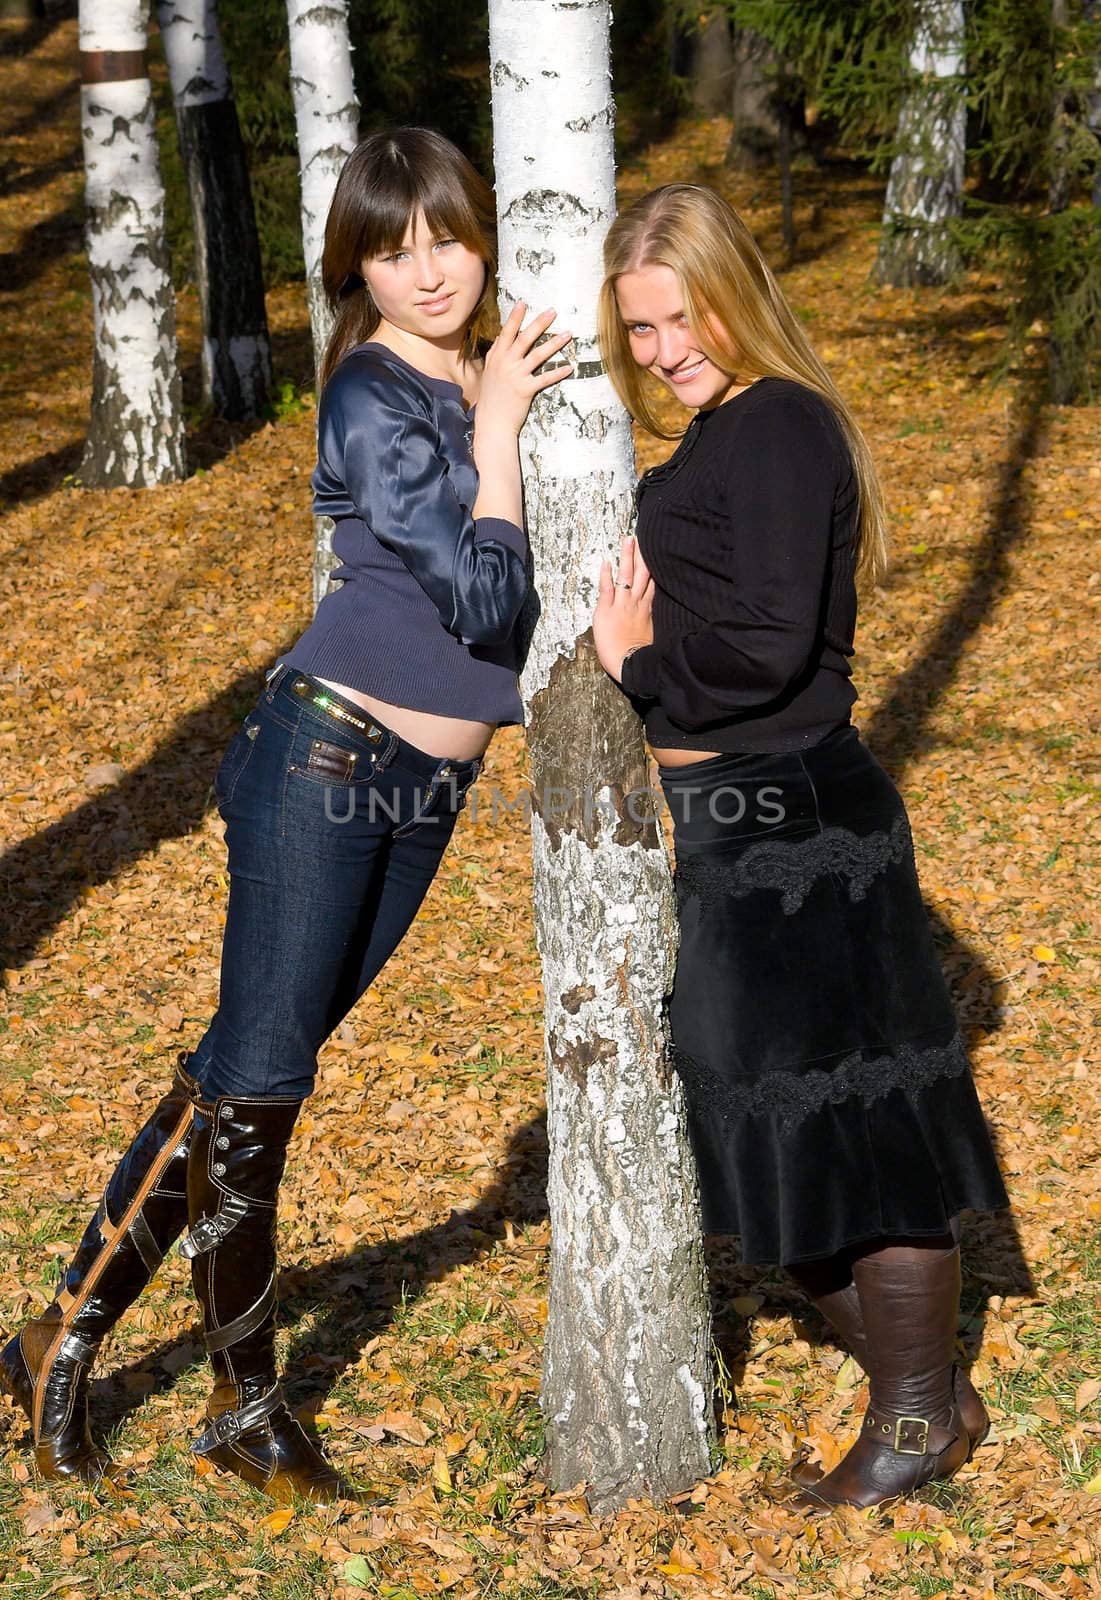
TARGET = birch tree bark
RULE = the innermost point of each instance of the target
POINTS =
(326, 114)
(1091, 10)
(236, 350)
(925, 187)
(627, 1387)
(135, 436)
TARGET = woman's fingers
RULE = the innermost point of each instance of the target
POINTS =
(525, 339)
(555, 375)
(607, 587)
(510, 327)
(626, 574)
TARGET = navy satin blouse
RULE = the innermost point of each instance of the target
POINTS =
(425, 616)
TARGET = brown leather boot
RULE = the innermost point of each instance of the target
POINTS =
(912, 1431)
(238, 1152)
(45, 1367)
(841, 1309)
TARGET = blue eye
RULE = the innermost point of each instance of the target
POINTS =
(638, 327)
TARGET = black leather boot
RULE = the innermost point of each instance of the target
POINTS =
(912, 1431)
(237, 1155)
(45, 1366)
(841, 1309)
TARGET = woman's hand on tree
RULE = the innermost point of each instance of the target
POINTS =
(622, 619)
(509, 379)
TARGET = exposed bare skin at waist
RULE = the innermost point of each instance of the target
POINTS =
(436, 736)
(681, 758)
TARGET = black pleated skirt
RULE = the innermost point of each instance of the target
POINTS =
(830, 1100)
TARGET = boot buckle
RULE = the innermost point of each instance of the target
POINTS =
(913, 1446)
(209, 1232)
(204, 1235)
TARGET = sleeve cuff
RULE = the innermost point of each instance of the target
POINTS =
(639, 675)
(501, 532)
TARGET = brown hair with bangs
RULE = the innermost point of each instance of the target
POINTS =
(386, 180)
(739, 318)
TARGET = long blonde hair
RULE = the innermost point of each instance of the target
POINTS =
(739, 318)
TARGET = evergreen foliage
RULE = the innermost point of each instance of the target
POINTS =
(1034, 161)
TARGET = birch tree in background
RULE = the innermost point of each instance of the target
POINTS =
(1091, 10)
(135, 436)
(925, 187)
(326, 114)
(626, 1389)
(236, 350)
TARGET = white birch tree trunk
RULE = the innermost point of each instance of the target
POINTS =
(925, 187)
(627, 1388)
(236, 349)
(326, 114)
(135, 436)
(1091, 11)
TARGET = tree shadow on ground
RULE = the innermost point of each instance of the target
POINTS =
(17, 178)
(900, 730)
(43, 877)
(39, 247)
(42, 475)
(23, 35)
(47, 110)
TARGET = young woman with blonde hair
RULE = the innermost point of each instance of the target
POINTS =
(339, 792)
(831, 1109)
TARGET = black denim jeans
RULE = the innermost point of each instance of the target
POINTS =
(335, 827)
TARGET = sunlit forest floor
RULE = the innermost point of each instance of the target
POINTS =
(414, 1232)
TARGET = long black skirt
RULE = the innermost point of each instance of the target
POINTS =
(830, 1101)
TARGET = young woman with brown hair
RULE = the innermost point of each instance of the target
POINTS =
(339, 792)
(831, 1109)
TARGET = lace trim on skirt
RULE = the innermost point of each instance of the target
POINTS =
(794, 1095)
(794, 865)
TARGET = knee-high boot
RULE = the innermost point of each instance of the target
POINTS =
(45, 1367)
(840, 1305)
(912, 1431)
(237, 1155)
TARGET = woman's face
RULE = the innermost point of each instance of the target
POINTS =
(429, 287)
(651, 306)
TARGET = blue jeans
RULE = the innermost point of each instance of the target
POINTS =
(335, 828)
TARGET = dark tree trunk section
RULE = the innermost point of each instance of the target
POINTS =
(764, 97)
(787, 205)
(236, 350)
(703, 55)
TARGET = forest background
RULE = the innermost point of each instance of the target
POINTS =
(138, 627)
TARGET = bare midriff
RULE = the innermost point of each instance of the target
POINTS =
(681, 758)
(453, 737)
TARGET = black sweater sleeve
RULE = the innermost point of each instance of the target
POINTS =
(779, 475)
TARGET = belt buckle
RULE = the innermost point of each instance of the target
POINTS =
(322, 700)
(909, 1450)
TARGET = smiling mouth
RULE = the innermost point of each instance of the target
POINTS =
(439, 304)
(686, 374)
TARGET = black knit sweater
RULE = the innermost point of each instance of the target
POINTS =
(749, 532)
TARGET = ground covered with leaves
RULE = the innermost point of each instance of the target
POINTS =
(414, 1230)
